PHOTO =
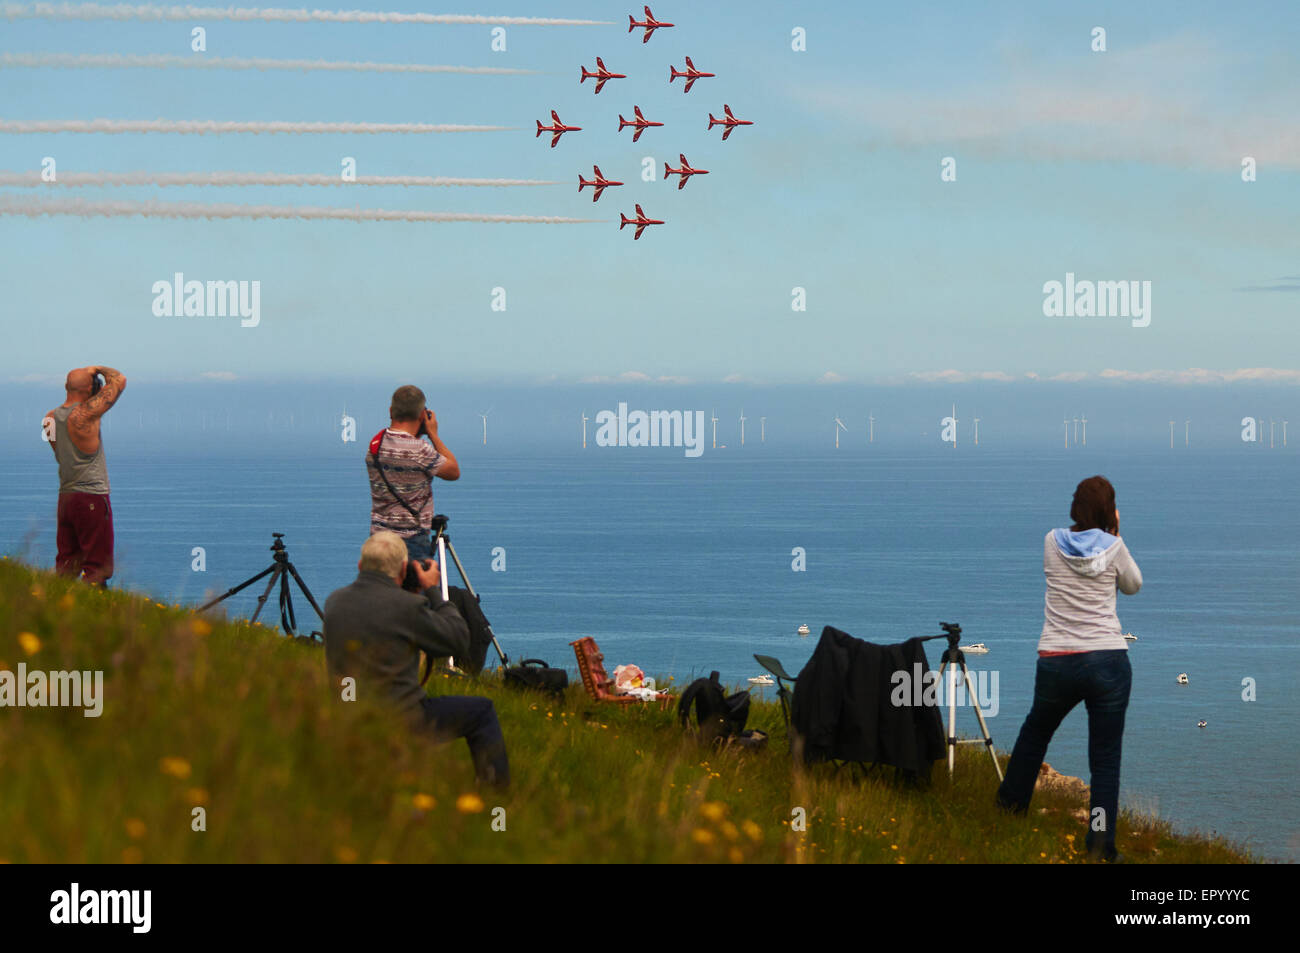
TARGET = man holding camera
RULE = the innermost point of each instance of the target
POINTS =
(402, 468)
(85, 516)
(374, 633)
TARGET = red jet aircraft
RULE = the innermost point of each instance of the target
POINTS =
(691, 74)
(640, 222)
(730, 121)
(685, 172)
(560, 128)
(640, 122)
(600, 182)
(650, 24)
(601, 75)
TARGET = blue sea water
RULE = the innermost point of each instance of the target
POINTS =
(685, 565)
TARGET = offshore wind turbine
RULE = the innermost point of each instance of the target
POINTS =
(1076, 431)
(762, 430)
(871, 429)
(977, 431)
(484, 415)
(585, 418)
(1187, 433)
(1270, 433)
(1283, 433)
(839, 425)
(1066, 424)
(715, 428)
(1084, 419)
(742, 426)
(1171, 435)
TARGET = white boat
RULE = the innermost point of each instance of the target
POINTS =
(976, 648)
(762, 680)
(1202, 723)
(804, 630)
(1182, 678)
(1130, 637)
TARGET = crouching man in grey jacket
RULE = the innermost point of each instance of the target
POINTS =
(374, 633)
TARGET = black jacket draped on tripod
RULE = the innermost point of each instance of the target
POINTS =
(842, 708)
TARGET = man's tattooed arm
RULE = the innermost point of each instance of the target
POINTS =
(85, 418)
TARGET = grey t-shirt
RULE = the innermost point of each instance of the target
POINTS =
(78, 472)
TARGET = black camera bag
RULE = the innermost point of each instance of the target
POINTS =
(535, 674)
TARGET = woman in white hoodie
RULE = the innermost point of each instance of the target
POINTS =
(1082, 657)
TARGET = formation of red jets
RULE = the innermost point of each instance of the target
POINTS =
(601, 74)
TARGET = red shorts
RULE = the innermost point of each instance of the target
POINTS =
(85, 537)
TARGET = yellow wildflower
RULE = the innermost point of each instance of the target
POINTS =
(713, 810)
(176, 767)
(469, 804)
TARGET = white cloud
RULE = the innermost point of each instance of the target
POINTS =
(951, 376)
(1200, 375)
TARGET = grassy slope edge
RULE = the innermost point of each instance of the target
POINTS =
(233, 718)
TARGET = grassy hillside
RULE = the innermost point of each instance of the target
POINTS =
(240, 721)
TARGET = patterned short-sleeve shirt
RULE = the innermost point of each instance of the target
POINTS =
(410, 464)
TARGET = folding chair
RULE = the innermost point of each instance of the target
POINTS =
(591, 666)
(782, 676)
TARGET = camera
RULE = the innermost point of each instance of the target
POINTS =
(96, 383)
(412, 583)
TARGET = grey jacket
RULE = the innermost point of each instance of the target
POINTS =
(374, 632)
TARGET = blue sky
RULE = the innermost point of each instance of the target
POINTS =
(1123, 165)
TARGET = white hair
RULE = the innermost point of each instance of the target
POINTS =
(383, 552)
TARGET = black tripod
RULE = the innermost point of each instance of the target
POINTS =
(440, 532)
(953, 656)
(280, 570)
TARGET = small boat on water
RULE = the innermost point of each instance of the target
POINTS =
(804, 630)
(1130, 637)
(1182, 678)
(1202, 723)
(762, 680)
(976, 648)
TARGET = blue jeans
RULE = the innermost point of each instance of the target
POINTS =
(419, 546)
(475, 719)
(1101, 680)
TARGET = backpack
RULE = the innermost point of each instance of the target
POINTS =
(717, 716)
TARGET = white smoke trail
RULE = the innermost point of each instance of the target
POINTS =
(169, 61)
(125, 11)
(198, 210)
(79, 179)
(205, 126)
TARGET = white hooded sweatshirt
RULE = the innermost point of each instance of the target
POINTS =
(1083, 571)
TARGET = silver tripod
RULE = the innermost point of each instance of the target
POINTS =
(953, 659)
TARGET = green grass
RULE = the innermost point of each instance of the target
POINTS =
(242, 722)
